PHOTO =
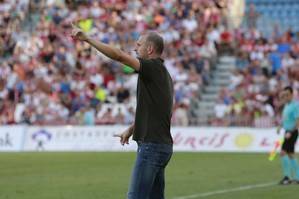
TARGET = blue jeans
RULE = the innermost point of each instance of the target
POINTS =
(148, 179)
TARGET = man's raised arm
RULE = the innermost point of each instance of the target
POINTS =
(108, 50)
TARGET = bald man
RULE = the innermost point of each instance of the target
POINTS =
(151, 129)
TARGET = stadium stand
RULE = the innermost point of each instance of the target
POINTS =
(47, 78)
(265, 62)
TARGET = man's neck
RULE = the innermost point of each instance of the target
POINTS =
(153, 56)
(289, 101)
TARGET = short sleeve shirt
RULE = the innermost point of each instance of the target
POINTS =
(154, 103)
(290, 114)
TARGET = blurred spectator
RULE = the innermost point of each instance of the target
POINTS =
(107, 117)
(193, 109)
(119, 117)
(122, 94)
(129, 116)
(180, 115)
(89, 116)
(252, 16)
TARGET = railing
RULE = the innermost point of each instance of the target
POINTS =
(232, 121)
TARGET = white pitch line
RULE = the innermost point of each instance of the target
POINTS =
(248, 187)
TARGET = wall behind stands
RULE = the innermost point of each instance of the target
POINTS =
(100, 138)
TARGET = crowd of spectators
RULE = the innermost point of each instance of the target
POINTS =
(47, 78)
(12, 14)
(263, 67)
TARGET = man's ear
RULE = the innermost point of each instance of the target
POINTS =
(150, 49)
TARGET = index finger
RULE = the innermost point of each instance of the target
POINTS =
(116, 135)
(73, 25)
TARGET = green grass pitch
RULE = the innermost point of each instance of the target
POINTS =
(106, 176)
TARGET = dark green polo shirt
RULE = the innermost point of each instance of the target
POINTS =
(154, 103)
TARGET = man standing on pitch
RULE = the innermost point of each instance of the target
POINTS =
(151, 129)
(290, 123)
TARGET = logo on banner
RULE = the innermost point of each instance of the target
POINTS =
(41, 137)
(243, 140)
(6, 141)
